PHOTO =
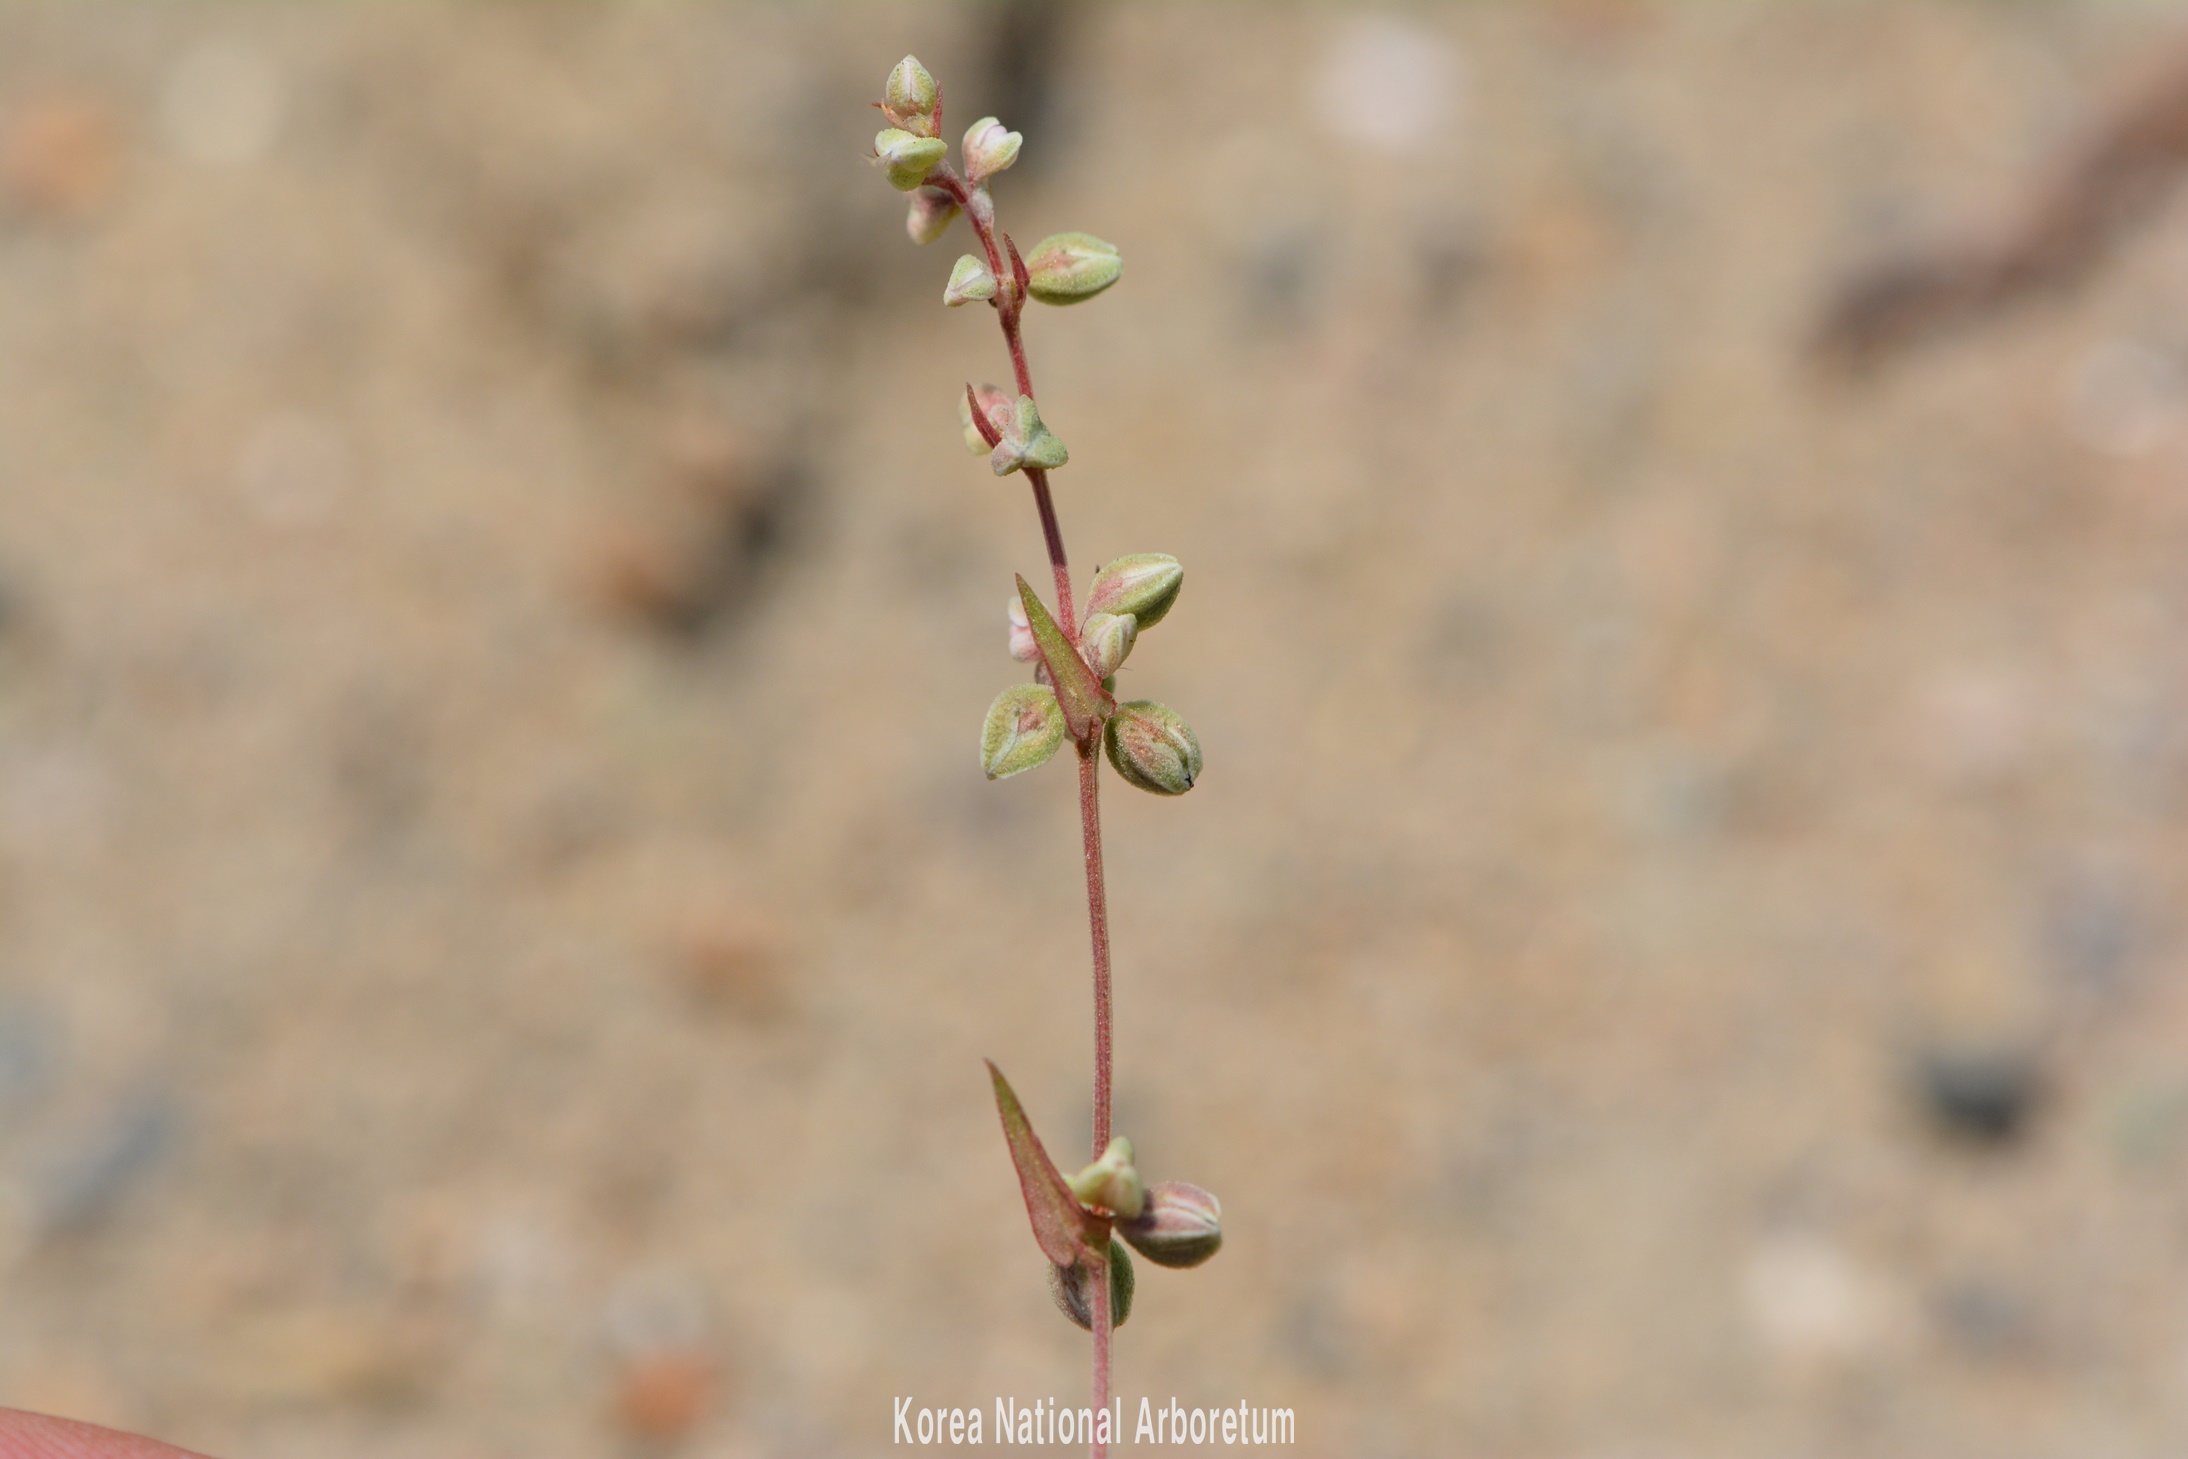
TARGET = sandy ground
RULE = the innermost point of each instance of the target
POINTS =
(1676, 949)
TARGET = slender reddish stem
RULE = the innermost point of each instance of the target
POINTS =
(1043, 503)
(1010, 303)
(1097, 901)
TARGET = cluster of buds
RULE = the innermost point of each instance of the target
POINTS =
(1063, 268)
(1170, 1223)
(1073, 695)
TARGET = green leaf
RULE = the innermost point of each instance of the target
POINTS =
(1085, 702)
(1066, 1231)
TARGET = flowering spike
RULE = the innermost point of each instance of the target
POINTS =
(1085, 702)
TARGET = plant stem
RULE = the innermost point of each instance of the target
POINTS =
(1097, 916)
(1066, 615)
(1010, 303)
(1097, 913)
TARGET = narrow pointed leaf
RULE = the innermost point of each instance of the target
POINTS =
(1086, 703)
(1065, 1231)
(981, 435)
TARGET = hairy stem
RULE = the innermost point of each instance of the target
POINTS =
(1009, 304)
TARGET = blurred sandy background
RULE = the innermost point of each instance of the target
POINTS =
(1676, 951)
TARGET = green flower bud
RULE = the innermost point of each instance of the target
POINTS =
(1152, 747)
(1143, 585)
(911, 100)
(968, 281)
(989, 149)
(1068, 1285)
(1106, 641)
(998, 409)
(1180, 1226)
(907, 158)
(1025, 725)
(1112, 1183)
(931, 212)
(1067, 267)
(1027, 442)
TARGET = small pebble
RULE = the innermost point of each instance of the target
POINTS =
(224, 104)
(57, 157)
(1808, 1299)
(730, 958)
(664, 1396)
(1389, 83)
(91, 1179)
(1986, 1320)
(1984, 1095)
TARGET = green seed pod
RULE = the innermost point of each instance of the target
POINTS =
(1027, 442)
(1107, 640)
(1025, 725)
(1143, 585)
(931, 212)
(968, 281)
(1112, 1182)
(989, 149)
(1180, 1226)
(911, 100)
(1152, 747)
(1068, 1285)
(1065, 268)
(907, 158)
